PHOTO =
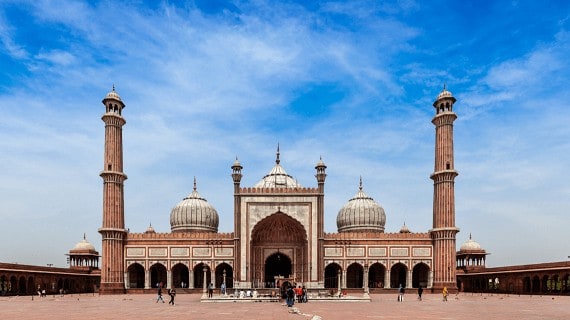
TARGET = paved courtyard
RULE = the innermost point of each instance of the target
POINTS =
(383, 306)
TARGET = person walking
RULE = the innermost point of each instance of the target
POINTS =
(159, 294)
(401, 293)
(420, 291)
(172, 294)
(444, 293)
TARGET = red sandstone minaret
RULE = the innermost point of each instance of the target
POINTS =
(444, 230)
(321, 176)
(113, 230)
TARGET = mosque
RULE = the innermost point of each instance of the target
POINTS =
(278, 236)
(279, 239)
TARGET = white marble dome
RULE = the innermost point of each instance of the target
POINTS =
(113, 95)
(83, 246)
(444, 94)
(361, 214)
(194, 214)
(470, 245)
(277, 177)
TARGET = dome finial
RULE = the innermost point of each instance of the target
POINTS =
(360, 186)
(277, 159)
(84, 236)
(194, 183)
(469, 235)
(113, 87)
(444, 86)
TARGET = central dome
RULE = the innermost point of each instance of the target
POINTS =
(361, 213)
(277, 177)
(194, 214)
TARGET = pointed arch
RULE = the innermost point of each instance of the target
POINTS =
(180, 275)
(354, 276)
(398, 274)
(157, 275)
(420, 275)
(376, 275)
(229, 271)
(332, 275)
(199, 275)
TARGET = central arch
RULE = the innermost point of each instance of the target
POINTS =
(278, 247)
(276, 264)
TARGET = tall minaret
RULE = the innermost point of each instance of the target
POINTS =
(236, 177)
(444, 230)
(113, 230)
(321, 176)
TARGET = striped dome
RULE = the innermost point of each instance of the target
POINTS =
(361, 213)
(194, 214)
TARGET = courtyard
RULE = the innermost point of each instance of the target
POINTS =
(383, 306)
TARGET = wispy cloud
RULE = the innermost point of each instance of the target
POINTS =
(203, 86)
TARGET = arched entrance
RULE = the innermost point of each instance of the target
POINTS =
(199, 275)
(22, 286)
(228, 275)
(276, 265)
(157, 275)
(376, 276)
(331, 275)
(278, 247)
(180, 276)
(420, 275)
(31, 286)
(398, 275)
(136, 276)
(535, 284)
(354, 276)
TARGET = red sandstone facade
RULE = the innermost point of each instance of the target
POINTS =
(278, 232)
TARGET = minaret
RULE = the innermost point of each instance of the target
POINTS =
(321, 176)
(444, 230)
(236, 177)
(113, 230)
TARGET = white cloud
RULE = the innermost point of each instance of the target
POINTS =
(201, 90)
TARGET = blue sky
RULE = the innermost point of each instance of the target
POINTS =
(351, 81)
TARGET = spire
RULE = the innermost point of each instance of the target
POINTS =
(277, 159)
(194, 183)
(469, 235)
(444, 86)
(360, 186)
(113, 87)
(84, 236)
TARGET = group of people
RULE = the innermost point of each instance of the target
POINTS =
(300, 293)
(401, 291)
(171, 293)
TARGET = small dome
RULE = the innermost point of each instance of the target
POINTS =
(405, 229)
(361, 213)
(444, 94)
(277, 177)
(83, 246)
(236, 163)
(194, 213)
(320, 164)
(470, 245)
(150, 229)
(113, 95)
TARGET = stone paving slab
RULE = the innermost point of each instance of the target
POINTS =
(382, 306)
